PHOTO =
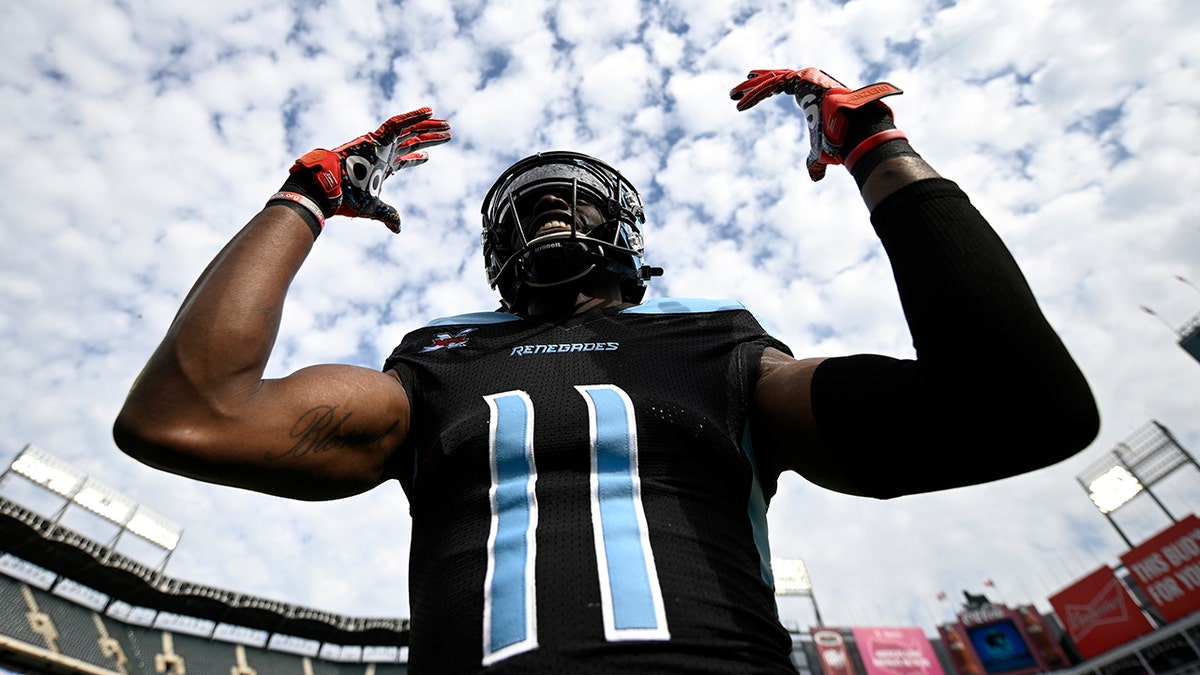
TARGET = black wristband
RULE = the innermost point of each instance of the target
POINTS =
(302, 206)
(870, 161)
(864, 123)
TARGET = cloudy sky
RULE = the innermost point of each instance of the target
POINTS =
(140, 136)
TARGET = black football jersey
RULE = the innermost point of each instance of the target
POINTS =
(584, 493)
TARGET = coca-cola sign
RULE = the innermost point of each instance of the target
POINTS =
(982, 615)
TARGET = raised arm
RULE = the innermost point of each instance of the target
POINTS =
(201, 407)
(992, 393)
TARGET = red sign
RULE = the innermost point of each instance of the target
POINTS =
(1167, 567)
(960, 654)
(1099, 613)
(835, 658)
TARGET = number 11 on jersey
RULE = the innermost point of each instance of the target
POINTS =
(631, 598)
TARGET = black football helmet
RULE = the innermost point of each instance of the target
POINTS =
(518, 262)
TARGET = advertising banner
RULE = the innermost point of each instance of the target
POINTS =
(1001, 647)
(896, 651)
(835, 658)
(1167, 567)
(1099, 613)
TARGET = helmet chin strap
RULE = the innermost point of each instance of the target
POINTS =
(556, 263)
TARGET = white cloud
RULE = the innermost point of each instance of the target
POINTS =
(139, 138)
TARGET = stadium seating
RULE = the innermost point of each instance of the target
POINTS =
(41, 632)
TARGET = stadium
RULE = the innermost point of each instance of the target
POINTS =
(72, 604)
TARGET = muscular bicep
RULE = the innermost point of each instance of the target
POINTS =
(784, 422)
(321, 433)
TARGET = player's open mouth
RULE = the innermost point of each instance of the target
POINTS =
(554, 227)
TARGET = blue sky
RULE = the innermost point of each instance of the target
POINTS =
(140, 136)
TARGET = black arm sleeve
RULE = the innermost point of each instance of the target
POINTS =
(992, 393)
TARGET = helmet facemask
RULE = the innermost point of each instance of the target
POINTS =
(519, 260)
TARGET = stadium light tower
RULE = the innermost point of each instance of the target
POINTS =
(1146, 457)
(1189, 334)
(791, 579)
(77, 488)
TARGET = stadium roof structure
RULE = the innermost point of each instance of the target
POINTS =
(44, 542)
(41, 541)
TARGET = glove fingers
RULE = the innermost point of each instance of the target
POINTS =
(755, 81)
(430, 132)
(432, 125)
(816, 169)
(759, 85)
(387, 215)
(393, 127)
(751, 96)
(751, 79)
(411, 159)
(421, 141)
(757, 96)
(384, 213)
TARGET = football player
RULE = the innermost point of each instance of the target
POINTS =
(589, 472)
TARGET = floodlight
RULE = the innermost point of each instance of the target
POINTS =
(154, 528)
(1146, 457)
(55, 475)
(791, 576)
(1113, 489)
(48, 471)
(105, 502)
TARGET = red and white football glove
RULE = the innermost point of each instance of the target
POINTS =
(347, 180)
(825, 102)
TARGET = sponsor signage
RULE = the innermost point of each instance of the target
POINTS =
(896, 651)
(997, 639)
(1001, 647)
(831, 647)
(1099, 613)
(983, 615)
(1167, 567)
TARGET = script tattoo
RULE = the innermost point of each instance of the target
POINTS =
(316, 431)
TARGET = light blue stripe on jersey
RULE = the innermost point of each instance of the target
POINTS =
(474, 319)
(509, 611)
(692, 306)
(615, 471)
(757, 510)
(684, 306)
(630, 595)
(655, 306)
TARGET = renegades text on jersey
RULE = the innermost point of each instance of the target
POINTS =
(584, 493)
